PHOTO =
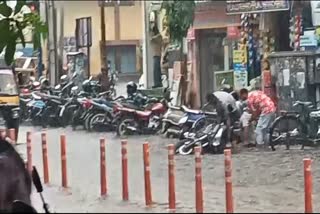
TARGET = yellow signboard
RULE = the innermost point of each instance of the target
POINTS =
(239, 56)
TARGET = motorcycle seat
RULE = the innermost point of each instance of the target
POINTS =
(100, 101)
(25, 100)
(175, 108)
(186, 109)
(102, 106)
(144, 113)
(212, 114)
(132, 106)
(303, 103)
(52, 97)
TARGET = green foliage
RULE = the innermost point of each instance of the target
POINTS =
(12, 24)
(180, 16)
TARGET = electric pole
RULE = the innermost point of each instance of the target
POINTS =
(103, 35)
(52, 48)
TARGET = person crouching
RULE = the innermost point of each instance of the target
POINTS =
(263, 110)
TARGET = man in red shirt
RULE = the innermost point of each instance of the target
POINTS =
(260, 106)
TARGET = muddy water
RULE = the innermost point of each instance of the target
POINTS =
(262, 181)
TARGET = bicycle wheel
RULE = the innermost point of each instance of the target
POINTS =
(287, 130)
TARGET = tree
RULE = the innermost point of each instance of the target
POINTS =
(180, 16)
(13, 21)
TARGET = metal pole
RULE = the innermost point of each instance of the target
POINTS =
(56, 57)
(144, 77)
(61, 36)
(51, 42)
(42, 13)
(103, 36)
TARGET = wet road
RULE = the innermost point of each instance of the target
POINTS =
(263, 182)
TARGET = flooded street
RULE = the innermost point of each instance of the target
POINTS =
(262, 181)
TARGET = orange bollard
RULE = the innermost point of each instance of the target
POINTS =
(103, 170)
(228, 180)
(12, 135)
(171, 173)
(63, 161)
(307, 185)
(147, 179)
(45, 158)
(29, 152)
(198, 178)
(125, 186)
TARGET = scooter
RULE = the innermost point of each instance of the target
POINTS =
(177, 121)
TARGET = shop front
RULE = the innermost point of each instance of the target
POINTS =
(231, 44)
(210, 55)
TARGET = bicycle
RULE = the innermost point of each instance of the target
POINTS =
(296, 127)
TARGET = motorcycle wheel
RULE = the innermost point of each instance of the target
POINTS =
(179, 144)
(75, 120)
(121, 127)
(184, 151)
(93, 124)
(87, 122)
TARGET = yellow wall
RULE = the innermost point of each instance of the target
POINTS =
(131, 22)
(130, 19)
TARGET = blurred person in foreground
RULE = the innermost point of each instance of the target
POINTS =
(263, 110)
(15, 181)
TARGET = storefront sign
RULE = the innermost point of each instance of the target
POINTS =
(240, 72)
(240, 79)
(233, 32)
(258, 6)
(308, 39)
(240, 57)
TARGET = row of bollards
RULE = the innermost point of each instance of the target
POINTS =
(199, 202)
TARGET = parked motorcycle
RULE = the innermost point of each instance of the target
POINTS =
(211, 136)
(102, 113)
(177, 121)
(35, 108)
(131, 119)
(208, 136)
(51, 113)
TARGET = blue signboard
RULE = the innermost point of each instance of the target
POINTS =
(27, 51)
(238, 67)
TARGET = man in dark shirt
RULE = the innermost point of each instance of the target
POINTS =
(103, 79)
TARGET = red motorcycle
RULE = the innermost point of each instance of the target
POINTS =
(130, 119)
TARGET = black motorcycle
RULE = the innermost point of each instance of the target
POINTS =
(51, 113)
(213, 136)
(210, 137)
(100, 115)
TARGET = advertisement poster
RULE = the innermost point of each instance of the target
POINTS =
(239, 56)
(240, 73)
(257, 6)
(223, 77)
(240, 80)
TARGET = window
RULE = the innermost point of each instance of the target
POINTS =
(111, 3)
(7, 83)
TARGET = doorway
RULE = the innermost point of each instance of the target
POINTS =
(211, 52)
(122, 58)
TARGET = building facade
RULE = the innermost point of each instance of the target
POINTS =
(229, 44)
(123, 33)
